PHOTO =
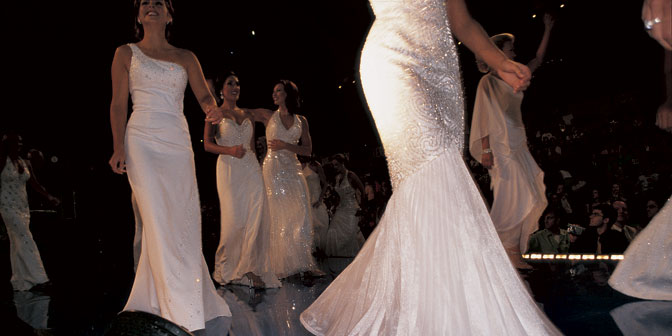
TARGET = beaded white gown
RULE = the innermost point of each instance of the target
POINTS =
(646, 269)
(27, 267)
(244, 241)
(172, 279)
(290, 217)
(320, 214)
(434, 265)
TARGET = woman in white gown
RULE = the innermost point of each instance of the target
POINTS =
(498, 142)
(242, 255)
(317, 183)
(344, 238)
(290, 217)
(434, 265)
(172, 279)
(27, 269)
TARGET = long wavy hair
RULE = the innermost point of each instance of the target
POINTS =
(140, 31)
(293, 100)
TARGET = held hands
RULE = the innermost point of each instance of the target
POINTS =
(515, 74)
(237, 151)
(118, 161)
(213, 114)
(657, 17)
(487, 160)
(276, 144)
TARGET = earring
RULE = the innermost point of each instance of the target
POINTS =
(221, 95)
(140, 23)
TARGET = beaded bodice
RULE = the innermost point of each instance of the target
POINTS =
(156, 85)
(421, 113)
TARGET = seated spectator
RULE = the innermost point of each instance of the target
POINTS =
(652, 208)
(621, 223)
(616, 194)
(551, 239)
(598, 238)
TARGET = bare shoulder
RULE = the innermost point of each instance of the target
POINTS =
(185, 57)
(124, 52)
(303, 119)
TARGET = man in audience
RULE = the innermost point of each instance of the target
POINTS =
(552, 239)
(621, 223)
(598, 238)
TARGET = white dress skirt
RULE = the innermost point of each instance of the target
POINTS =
(646, 269)
(244, 238)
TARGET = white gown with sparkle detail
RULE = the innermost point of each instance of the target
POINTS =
(344, 239)
(646, 269)
(244, 241)
(172, 279)
(434, 265)
(290, 217)
(27, 267)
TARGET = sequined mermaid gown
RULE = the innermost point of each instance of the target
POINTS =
(244, 241)
(646, 269)
(344, 239)
(434, 265)
(27, 267)
(172, 279)
(290, 218)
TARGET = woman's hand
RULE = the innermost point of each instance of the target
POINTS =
(548, 21)
(657, 15)
(118, 161)
(515, 74)
(487, 160)
(237, 151)
(213, 114)
(664, 116)
(276, 145)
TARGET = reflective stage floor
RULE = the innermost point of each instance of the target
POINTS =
(92, 279)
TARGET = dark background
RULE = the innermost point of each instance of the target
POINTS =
(600, 66)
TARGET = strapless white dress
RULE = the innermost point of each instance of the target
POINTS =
(244, 241)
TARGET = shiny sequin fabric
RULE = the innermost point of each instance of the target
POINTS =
(434, 265)
(646, 269)
(172, 279)
(289, 215)
(27, 267)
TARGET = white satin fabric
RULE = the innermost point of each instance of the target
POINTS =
(172, 279)
(646, 269)
(518, 182)
(27, 267)
(344, 239)
(434, 265)
(289, 216)
(244, 241)
(320, 214)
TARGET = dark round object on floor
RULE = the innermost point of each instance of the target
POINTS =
(138, 323)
